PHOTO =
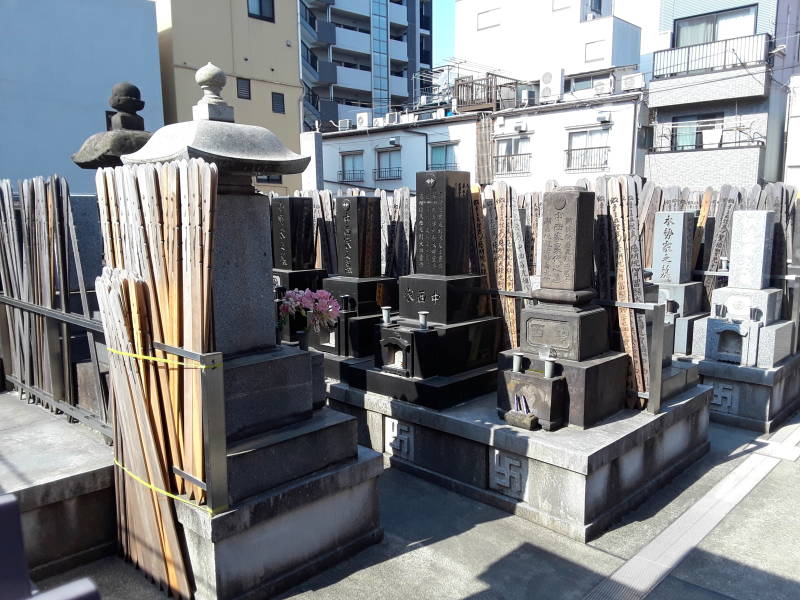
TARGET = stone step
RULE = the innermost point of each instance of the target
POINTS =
(262, 462)
(678, 377)
(267, 390)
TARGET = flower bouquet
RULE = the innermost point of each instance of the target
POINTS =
(318, 309)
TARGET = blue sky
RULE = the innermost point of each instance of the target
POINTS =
(443, 30)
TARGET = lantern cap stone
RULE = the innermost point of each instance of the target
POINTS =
(212, 135)
(125, 133)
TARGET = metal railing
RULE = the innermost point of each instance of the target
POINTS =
(724, 54)
(390, 173)
(512, 164)
(448, 166)
(706, 134)
(350, 176)
(490, 93)
(587, 159)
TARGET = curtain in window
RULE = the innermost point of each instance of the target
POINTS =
(684, 133)
(389, 160)
(736, 23)
(352, 162)
(695, 31)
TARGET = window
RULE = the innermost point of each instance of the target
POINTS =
(308, 55)
(488, 18)
(261, 9)
(352, 167)
(576, 84)
(425, 49)
(270, 179)
(443, 157)
(388, 165)
(715, 26)
(243, 88)
(308, 16)
(515, 145)
(588, 150)
(278, 105)
(693, 132)
(513, 156)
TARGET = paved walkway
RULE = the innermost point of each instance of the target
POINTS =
(728, 527)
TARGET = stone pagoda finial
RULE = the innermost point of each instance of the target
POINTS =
(125, 134)
(211, 107)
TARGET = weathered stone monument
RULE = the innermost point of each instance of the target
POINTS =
(360, 287)
(441, 349)
(125, 133)
(564, 372)
(301, 494)
(745, 351)
(672, 271)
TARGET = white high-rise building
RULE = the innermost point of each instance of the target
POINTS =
(360, 56)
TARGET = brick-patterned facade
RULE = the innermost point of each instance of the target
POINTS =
(697, 169)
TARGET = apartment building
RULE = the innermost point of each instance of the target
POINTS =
(718, 93)
(361, 56)
(256, 43)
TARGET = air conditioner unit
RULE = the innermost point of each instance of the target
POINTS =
(392, 118)
(423, 100)
(440, 114)
(552, 86)
(362, 120)
(520, 125)
(526, 97)
(634, 81)
(345, 124)
(602, 88)
(590, 16)
(603, 116)
(500, 121)
(378, 122)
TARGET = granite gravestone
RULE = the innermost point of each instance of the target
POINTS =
(743, 327)
(672, 271)
(441, 348)
(360, 288)
(293, 244)
(563, 372)
(272, 432)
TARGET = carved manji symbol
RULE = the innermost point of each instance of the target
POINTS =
(508, 474)
(725, 398)
(399, 439)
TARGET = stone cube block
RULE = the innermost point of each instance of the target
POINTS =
(740, 304)
(774, 343)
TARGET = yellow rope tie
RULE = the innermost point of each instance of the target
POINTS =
(167, 361)
(158, 490)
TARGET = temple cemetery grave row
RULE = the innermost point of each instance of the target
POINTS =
(557, 354)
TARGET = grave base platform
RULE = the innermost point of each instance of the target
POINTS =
(300, 279)
(342, 368)
(437, 392)
(63, 477)
(750, 397)
(576, 482)
(286, 535)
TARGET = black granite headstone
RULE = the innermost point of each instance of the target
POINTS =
(358, 234)
(443, 231)
(292, 233)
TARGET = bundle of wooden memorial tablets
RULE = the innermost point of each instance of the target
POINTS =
(156, 222)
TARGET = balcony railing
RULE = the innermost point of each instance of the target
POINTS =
(444, 167)
(512, 164)
(587, 159)
(490, 93)
(390, 173)
(707, 134)
(713, 56)
(350, 176)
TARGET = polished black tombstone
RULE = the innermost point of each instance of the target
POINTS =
(442, 347)
(359, 287)
(563, 372)
(293, 244)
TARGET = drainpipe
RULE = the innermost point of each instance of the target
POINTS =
(634, 148)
